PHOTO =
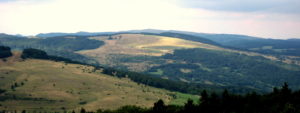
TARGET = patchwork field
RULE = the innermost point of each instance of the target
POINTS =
(138, 52)
(138, 44)
(46, 85)
(119, 47)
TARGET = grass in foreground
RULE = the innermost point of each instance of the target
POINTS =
(49, 86)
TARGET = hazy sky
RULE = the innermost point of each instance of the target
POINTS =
(264, 18)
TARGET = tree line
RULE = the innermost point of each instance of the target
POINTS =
(282, 100)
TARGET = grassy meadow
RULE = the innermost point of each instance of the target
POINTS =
(56, 86)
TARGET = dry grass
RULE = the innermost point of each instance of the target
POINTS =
(147, 45)
(52, 85)
(138, 45)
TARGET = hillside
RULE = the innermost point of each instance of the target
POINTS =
(56, 86)
(223, 68)
(120, 48)
(193, 62)
(156, 55)
(58, 46)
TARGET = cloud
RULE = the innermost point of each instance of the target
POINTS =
(10, 1)
(37, 16)
(270, 6)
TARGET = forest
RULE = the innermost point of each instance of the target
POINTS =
(5, 52)
(227, 68)
(58, 46)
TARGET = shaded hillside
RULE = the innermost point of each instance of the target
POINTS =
(59, 46)
(226, 68)
(256, 44)
(270, 46)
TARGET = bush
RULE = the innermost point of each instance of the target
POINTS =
(5, 52)
(34, 53)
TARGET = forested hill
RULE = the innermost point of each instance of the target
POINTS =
(250, 43)
(85, 34)
(225, 68)
(58, 46)
(189, 37)
(237, 41)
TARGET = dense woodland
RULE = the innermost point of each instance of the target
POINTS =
(39, 54)
(229, 68)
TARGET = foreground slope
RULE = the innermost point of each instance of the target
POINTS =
(46, 85)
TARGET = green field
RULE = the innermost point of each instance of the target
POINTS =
(43, 85)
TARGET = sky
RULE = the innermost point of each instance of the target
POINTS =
(262, 18)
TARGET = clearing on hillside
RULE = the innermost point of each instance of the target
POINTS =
(139, 52)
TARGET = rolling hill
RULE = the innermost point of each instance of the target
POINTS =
(118, 47)
(168, 54)
(45, 85)
(196, 61)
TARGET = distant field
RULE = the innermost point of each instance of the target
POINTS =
(121, 51)
(131, 45)
(45, 85)
(138, 44)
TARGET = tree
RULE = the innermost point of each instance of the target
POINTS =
(189, 107)
(34, 53)
(285, 89)
(5, 52)
(82, 110)
(204, 96)
(159, 106)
